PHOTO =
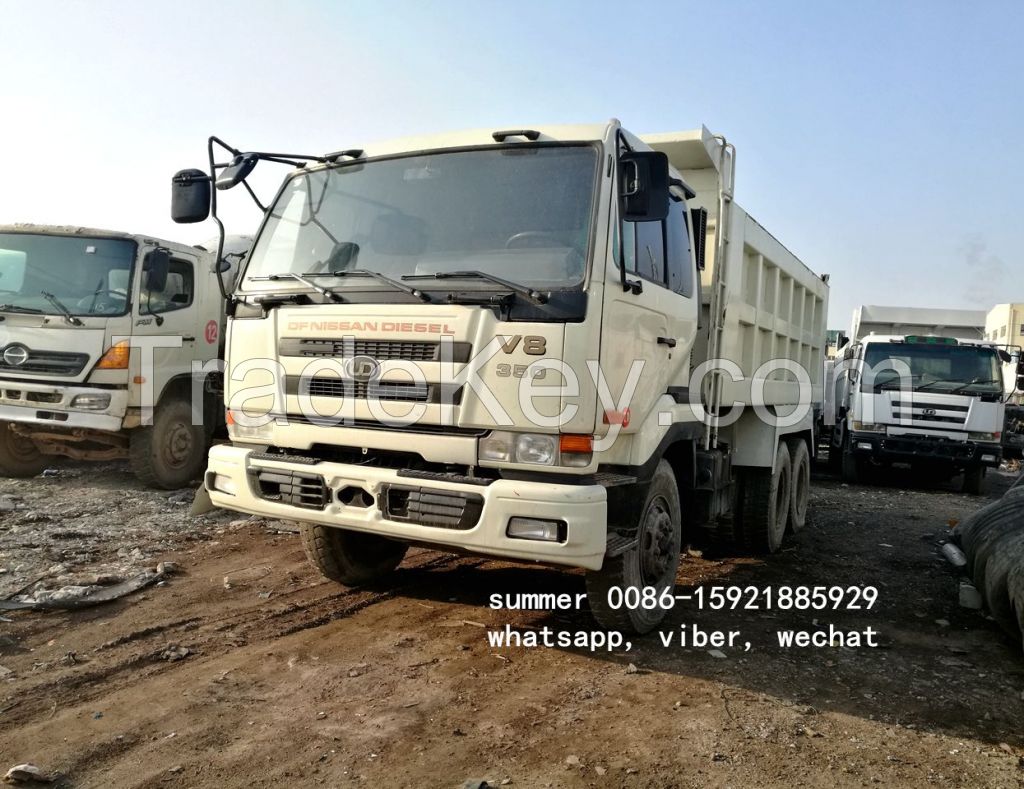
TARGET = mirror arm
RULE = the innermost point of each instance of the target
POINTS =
(252, 194)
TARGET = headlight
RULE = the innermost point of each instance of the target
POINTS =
(868, 427)
(537, 449)
(984, 436)
(91, 402)
(249, 427)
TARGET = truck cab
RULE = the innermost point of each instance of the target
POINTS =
(99, 331)
(496, 341)
(931, 402)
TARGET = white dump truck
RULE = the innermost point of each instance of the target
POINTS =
(504, 342)
(98, 334)
(932, 402)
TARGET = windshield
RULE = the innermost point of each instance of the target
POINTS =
(933, 367)
(87, 276)
(522, 213)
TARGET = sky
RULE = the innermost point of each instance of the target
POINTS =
(880, 141)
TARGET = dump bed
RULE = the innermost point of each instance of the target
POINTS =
(761, 301)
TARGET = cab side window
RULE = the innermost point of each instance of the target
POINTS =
(659, 252)
(177, 293)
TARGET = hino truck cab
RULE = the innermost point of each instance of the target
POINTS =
(933, 403)
(98, 333)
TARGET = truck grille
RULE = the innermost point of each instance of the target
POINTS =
(407, 391)
(48, 362)
(938, 414)
(297, 488)
(444, 509)
(381, 350)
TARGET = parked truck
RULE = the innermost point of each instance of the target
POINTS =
(98, 333)
(932, 402)
(547, 301)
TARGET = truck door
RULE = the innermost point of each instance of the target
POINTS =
(657, 325)
(170, 312)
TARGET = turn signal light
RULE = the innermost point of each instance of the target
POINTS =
(575, 444)
(116, 357)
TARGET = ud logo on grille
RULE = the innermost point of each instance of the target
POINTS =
(929, 412)
(15, 355)
(362, 368)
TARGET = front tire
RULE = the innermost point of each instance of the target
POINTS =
(19, 456)
(652, 562)
(171, 452)
(349, 557)
(974, 480)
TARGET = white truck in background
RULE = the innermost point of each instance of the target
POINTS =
(933, 401)
(541, 300)
(80, 309)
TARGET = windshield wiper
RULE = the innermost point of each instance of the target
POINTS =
(521, 290)
(973, 383)
(325, 292)
(362, 272)
(16, 308)
(61, 308)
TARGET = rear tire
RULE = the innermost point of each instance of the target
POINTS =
(171, 452)
(764, 507)
(349, 557)
(800, 490)
(19, 456)
(652, 562)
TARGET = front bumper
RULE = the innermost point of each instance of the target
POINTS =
(50, 406)
(909, 448)
(383, 501)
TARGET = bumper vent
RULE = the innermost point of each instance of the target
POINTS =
(297, 488)
(444, 509)
(925, 447)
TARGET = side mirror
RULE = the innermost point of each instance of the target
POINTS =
(155, 267)
(1004, 357)
(643, 176)
(237, 171)
(699, 220)
(190, 196)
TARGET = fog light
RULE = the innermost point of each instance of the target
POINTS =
(91, 402)
(864, 445)
(979, 436)
(868, 427)
(988, 458)
(221, 483)
(537, 529)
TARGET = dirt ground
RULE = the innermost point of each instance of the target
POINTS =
(247, 669)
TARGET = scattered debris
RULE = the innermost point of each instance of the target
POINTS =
(71, 597)
(970, 597)
(954, 555)
(174, 652)
(25, 774)
(942, 622)
(632, 669)
(572, 760)
(717, 653)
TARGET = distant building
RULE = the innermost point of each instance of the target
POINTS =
(1005, 324)
(873, 319)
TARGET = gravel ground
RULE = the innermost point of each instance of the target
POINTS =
(245, 668)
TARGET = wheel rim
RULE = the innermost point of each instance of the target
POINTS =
(800, 490)
(19, 446)
(177, 447)
(657, 542)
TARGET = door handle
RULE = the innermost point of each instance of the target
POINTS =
(669, 341)
(188, 339)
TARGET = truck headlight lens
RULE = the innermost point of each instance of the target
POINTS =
(868, 427)
(243, 427)
(91, 402)
(977, 436)
(537, 449)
